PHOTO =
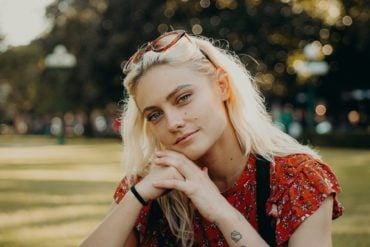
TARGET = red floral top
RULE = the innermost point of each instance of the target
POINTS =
(298, 186)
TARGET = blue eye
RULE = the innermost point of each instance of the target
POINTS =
(153, 116)
(183, 98)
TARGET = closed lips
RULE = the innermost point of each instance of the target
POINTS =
(184, 136)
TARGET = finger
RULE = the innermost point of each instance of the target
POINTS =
(171, 153)
(171, 158)
(205, 170)
(171, 184)
(182, 166)
(166, 192)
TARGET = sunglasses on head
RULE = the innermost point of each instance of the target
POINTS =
(160, 44)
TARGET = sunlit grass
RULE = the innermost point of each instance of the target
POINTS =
(54, 195)
(352, 167)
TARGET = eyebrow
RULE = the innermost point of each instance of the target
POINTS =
(169, 96)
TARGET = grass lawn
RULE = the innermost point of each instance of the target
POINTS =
(54, 195)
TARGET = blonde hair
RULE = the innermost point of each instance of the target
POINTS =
(253, 125)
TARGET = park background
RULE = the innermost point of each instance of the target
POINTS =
(310, 58)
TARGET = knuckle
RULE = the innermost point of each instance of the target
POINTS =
(175, 164)
(179, 176)
(172, 169)
(181, 155)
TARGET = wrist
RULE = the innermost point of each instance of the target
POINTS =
(132, 198)
(225, 213)
(144, 190)
(138, 196)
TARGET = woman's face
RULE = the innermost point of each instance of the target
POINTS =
(184, 109)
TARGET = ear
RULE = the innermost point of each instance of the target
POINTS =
(223, 84)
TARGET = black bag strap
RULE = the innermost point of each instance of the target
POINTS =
(155, 222)
(265, 227)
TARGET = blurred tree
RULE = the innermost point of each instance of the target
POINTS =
(75, 26)
(102, 33)
(20, 70)
(349, 61)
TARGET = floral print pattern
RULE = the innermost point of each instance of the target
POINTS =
(298, 186)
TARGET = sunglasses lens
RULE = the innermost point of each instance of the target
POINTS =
(165, 41)
(134, 59)
(160, 44)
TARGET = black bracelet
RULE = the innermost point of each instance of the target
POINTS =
(138, 196)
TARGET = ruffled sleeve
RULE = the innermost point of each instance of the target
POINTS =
(299, 185)
(121, 190)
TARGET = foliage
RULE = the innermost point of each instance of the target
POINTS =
(102, 34)
(20, 67)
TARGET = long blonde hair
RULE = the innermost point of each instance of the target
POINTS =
(253, 125)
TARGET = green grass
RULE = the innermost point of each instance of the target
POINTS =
(54, 195)
(352, 167)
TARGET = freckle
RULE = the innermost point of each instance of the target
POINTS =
(186, 113)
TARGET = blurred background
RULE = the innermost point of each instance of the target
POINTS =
(61, 83)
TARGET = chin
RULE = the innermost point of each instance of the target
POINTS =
(193, 152)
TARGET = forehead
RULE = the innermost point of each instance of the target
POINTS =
(160, 80)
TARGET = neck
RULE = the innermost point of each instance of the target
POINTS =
(225, 160)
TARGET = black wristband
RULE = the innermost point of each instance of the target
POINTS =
(138, 196)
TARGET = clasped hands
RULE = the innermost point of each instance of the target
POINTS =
(173, 170)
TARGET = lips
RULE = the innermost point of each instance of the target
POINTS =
(181, 138)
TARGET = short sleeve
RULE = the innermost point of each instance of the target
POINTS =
(121, 190)
(299, 185)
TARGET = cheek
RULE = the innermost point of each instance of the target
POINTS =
(161, 134)
(215, 118)
(157, 132)
(212, 111)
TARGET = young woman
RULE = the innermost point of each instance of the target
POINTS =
(195, 131)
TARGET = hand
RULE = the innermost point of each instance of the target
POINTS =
(197, 185)
(157, 173)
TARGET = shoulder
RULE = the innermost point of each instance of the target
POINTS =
(288, 169)
(287, 166)
(299, 186)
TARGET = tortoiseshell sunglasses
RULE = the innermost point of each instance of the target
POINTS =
(160, 44)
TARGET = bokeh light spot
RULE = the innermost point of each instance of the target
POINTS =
(324, 33)
(162, 28)
(197, 29)
(215, 20)
(204, 3)
(347, 20)
(327, 50)
(353, 117)
(320, 110)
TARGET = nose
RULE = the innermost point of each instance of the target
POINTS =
(175, 121)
